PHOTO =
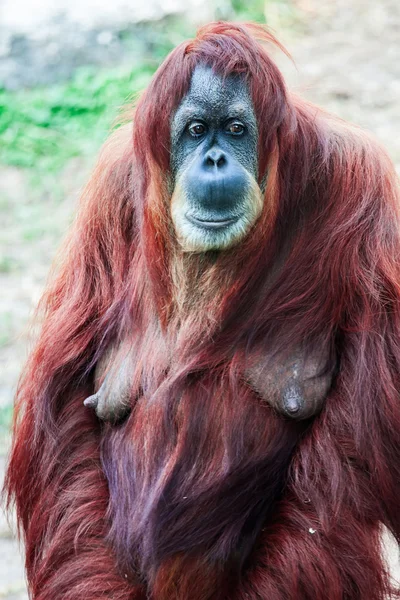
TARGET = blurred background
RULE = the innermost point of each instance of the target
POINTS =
(67, 66)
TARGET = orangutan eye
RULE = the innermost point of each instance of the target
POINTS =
(235, 128)
(196, 129)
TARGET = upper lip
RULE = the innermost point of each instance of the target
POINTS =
(211, 223)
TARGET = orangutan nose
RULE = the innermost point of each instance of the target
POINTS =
(215, 157)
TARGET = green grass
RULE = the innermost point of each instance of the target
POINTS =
(5, 418)
(6, 415)
(8, 264)
(249, 10)
(43, 128)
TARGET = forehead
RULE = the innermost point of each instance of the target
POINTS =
(210, 92)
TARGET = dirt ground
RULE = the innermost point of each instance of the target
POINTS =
(348, 60)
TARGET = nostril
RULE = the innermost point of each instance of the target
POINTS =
(221, 161)
(210, 162)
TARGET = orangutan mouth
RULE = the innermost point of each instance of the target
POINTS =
(211, 224)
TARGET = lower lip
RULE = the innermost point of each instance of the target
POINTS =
(211, 224)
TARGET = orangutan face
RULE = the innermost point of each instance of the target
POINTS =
(216, 198)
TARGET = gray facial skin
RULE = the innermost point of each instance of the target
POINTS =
(216, 198)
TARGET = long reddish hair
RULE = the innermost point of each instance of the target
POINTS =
(204, 492)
